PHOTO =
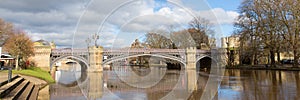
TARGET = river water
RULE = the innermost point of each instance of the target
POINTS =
(140, 83)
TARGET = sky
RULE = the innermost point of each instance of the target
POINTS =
(117, 22)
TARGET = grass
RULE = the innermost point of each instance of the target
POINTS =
(35, 72)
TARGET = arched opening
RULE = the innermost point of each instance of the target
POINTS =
(69, 70)
(205, 63)
(148, 62)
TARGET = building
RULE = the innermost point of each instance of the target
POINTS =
(44, 43)
(136, 44)
(42, 51)
(231, 44)
(212, 43)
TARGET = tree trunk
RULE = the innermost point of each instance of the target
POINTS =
(252, 55)
(240, 56)
(255, 58)
(296, 57)
(17, 62)
(278, 56)
(272, 56)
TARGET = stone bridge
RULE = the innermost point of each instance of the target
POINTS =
(95, 57)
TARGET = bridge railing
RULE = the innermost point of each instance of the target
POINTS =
(144, 50)
(68, 50)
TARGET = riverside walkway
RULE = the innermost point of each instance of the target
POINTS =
(20, 88)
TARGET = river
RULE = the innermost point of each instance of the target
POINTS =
(140, 83)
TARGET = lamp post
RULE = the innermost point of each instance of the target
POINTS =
(95, 37)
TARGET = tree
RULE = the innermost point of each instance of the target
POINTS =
(260, 21)
(6, 29)
(182, 39)
(156, 40)
(19, 46)
(273, 25)
(249, 29)
(199, 29)
(290, 20)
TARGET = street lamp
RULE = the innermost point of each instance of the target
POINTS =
(95, 37)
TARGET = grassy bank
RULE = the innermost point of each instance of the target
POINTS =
(35, 72)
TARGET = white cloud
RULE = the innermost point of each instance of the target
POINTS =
(56, 20)
(224, 17)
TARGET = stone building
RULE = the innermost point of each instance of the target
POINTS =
(231, 44)
(42, 51)
(136, 44)
(212, 43)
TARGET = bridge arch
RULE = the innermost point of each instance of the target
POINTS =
(77, 58)
(118, 58)
(205, 61)
(83, 62)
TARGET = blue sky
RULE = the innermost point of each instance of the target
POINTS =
(225, 4)
(229, 5)
(65, 21)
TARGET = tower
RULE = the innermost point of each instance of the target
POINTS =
(191, 58)
(95, 58)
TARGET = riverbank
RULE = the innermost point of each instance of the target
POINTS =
(42, 84)
(31, 75)
(264, 67)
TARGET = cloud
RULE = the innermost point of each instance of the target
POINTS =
(224, 17)
(118, 22)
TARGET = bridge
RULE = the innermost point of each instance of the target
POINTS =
(95, 57)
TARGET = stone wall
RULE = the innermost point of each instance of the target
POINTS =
(42, 57)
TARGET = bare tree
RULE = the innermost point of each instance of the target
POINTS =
(19, 46)
(200, 28)
(290, 20)
(156, 40)
(6, 29)
(182, 39)
(261, 21)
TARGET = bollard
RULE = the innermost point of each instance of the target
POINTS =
(9, 74)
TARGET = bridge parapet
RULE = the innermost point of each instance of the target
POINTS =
(116, 53)
(69, 51)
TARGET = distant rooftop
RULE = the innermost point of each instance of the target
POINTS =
(42, 43)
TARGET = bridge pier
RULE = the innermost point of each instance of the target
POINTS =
(191, 58)
(94, 86)
(95, 59)
(191, 80)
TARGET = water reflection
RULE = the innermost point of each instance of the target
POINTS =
(259, 85)
(184, 84)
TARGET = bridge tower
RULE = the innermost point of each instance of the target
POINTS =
(191, 57)
(95, 58)
(42, 52)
